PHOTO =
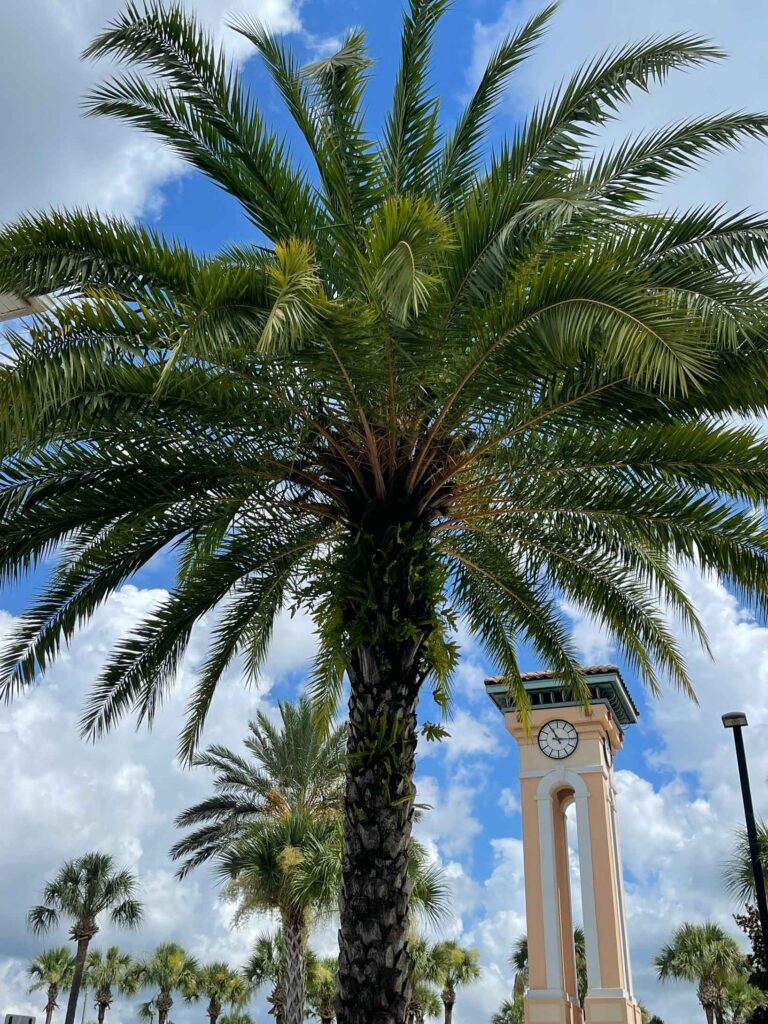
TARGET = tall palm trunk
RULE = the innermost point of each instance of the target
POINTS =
(449, 998)
(295, 981)
(82, 933)
(374, 971)
(164, 1002)
(214, 1009)
(51, 1004)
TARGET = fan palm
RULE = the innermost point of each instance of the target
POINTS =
(291, 767)
(275, 867)
(236, 1017)
(221, 986)
(83, 889)
(511, 1011)
(460, 968)
(429, 962)
(169, 969)
(266, 966)
(322, 986)
(742, 999)
(52, 970)
(448, 382)
(519, 960)
(739, 877)
(706, 955)
(107, 973)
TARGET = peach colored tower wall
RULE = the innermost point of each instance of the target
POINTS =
(584, 778)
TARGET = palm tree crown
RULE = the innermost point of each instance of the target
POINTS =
(106, 973)
(706, 955)
(448, 382)
(290, 768)
(53, 970)
(169, 969)
(221, 986)
(83, 889)
(460, 967)
(739, 876)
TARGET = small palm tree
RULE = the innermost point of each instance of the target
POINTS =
(266, 965)
(739, 877)
(511, 1011)
(236, 1017)
(460, 968)
(519, 960)
(282, 865)
(428, 966)
(706, 955)
(168, 969)
(289, 767)
(52, 970)
(322, 988)
(742, 999)
(81, 891)
(106, 974)
(221, 986)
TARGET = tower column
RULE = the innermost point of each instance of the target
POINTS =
(566, 757)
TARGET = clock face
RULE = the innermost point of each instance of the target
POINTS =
(558, 739)
(608, 751)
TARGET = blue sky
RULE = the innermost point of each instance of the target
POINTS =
(676, 777)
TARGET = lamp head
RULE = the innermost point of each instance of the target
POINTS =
(734, 720)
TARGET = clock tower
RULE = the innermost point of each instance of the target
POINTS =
(566, 757)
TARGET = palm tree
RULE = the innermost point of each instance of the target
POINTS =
(52, 970)
(221, 986)
(443, 381)
(429, 963)
(742, 999)
(322, 986)
(739, 879)
(236, 1017)
(266, 965)
(290, 768)
(511, 1011)
(168, 969)
(105, 973)
(460, 968)
(519, 960)
(287, 864)
(83, 889)
(706, 955)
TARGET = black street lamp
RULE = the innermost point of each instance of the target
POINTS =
(736, 720)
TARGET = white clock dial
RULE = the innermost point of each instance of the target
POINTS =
(558, 739)
(608, 751)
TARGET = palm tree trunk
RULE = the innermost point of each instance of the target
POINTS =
(374, 975)
(214, 1009)
(391, 563)
(164, 1002)
(295, 982)
(51, 1004)
(710, 1014)
(448, 1007)
(83, 935)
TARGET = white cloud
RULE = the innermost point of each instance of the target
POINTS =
(581, 30)
(62, 796)
(53, 156)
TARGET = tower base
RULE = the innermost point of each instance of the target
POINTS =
(611, 1009)
(552, 1010)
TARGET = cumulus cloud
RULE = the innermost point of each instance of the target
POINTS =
(62, 796)
(53, 156)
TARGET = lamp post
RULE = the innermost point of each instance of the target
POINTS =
(737, 720)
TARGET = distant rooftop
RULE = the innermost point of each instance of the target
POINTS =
(13, 306)
(606, 686)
